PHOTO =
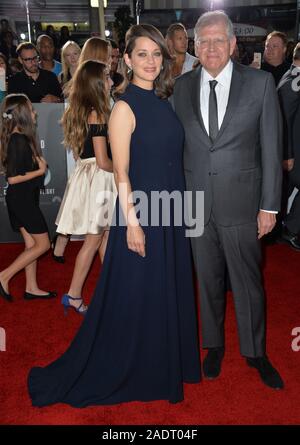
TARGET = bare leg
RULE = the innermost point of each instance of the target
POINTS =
(30, 270)
(82, 266)
(61, 244)
(40, 246)
(102, 248)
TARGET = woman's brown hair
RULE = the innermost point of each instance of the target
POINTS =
(95, 48)
(88, 92)
(15, 112)
(164, 83)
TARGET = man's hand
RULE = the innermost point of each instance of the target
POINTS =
(288, 164)
(265, 222)
(50, 99)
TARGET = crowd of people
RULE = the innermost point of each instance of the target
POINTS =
(155, 118)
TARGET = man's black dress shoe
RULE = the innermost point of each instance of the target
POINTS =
(212, 363)
(5, 295)
(267, 372)
(29, 296)
(289, 238)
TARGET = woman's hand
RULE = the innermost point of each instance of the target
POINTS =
(136, 240)
(42, 164)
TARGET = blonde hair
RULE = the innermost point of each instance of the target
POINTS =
(87, 92)
(65, 66)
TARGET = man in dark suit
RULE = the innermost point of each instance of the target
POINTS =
(232, 123)
(289, 97)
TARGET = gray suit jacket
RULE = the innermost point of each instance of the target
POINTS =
(241, 172)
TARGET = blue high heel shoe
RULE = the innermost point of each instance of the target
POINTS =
(65, 301)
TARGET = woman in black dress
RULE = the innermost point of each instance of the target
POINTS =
(24, 169)
(138, 340)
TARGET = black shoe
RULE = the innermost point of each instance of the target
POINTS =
(29, 296)
(58, 259)
(290, 238)
(212, 363)
(5, 295)
(267, 372)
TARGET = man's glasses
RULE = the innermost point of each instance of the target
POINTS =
(31, 59)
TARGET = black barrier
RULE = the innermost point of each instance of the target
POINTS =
(50, 136)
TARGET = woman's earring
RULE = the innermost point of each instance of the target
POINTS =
(129, 69)
(161, 68)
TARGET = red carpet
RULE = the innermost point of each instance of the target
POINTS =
(37, 332)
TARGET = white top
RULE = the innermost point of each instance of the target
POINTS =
(222, 92)
(188, 63)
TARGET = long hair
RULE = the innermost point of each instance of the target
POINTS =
(65, 65)
(15, 112)
(164, 83)
(88, 92)
(95, 48)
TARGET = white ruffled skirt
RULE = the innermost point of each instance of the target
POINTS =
(89, 199)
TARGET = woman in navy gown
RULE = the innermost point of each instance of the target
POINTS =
(138, 341)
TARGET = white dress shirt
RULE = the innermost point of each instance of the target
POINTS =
(222, 92)
(188, 63)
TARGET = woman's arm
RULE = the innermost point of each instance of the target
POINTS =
(29, 175)
(121, 126)
(100, 147)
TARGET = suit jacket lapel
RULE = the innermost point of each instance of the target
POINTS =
(233, 100)
(195, 97)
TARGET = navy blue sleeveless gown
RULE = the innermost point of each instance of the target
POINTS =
(138, 341)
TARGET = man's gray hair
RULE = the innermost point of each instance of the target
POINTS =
(212, 18)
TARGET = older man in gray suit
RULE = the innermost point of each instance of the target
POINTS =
(233, 153)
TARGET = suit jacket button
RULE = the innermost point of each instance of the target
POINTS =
(211, 149)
